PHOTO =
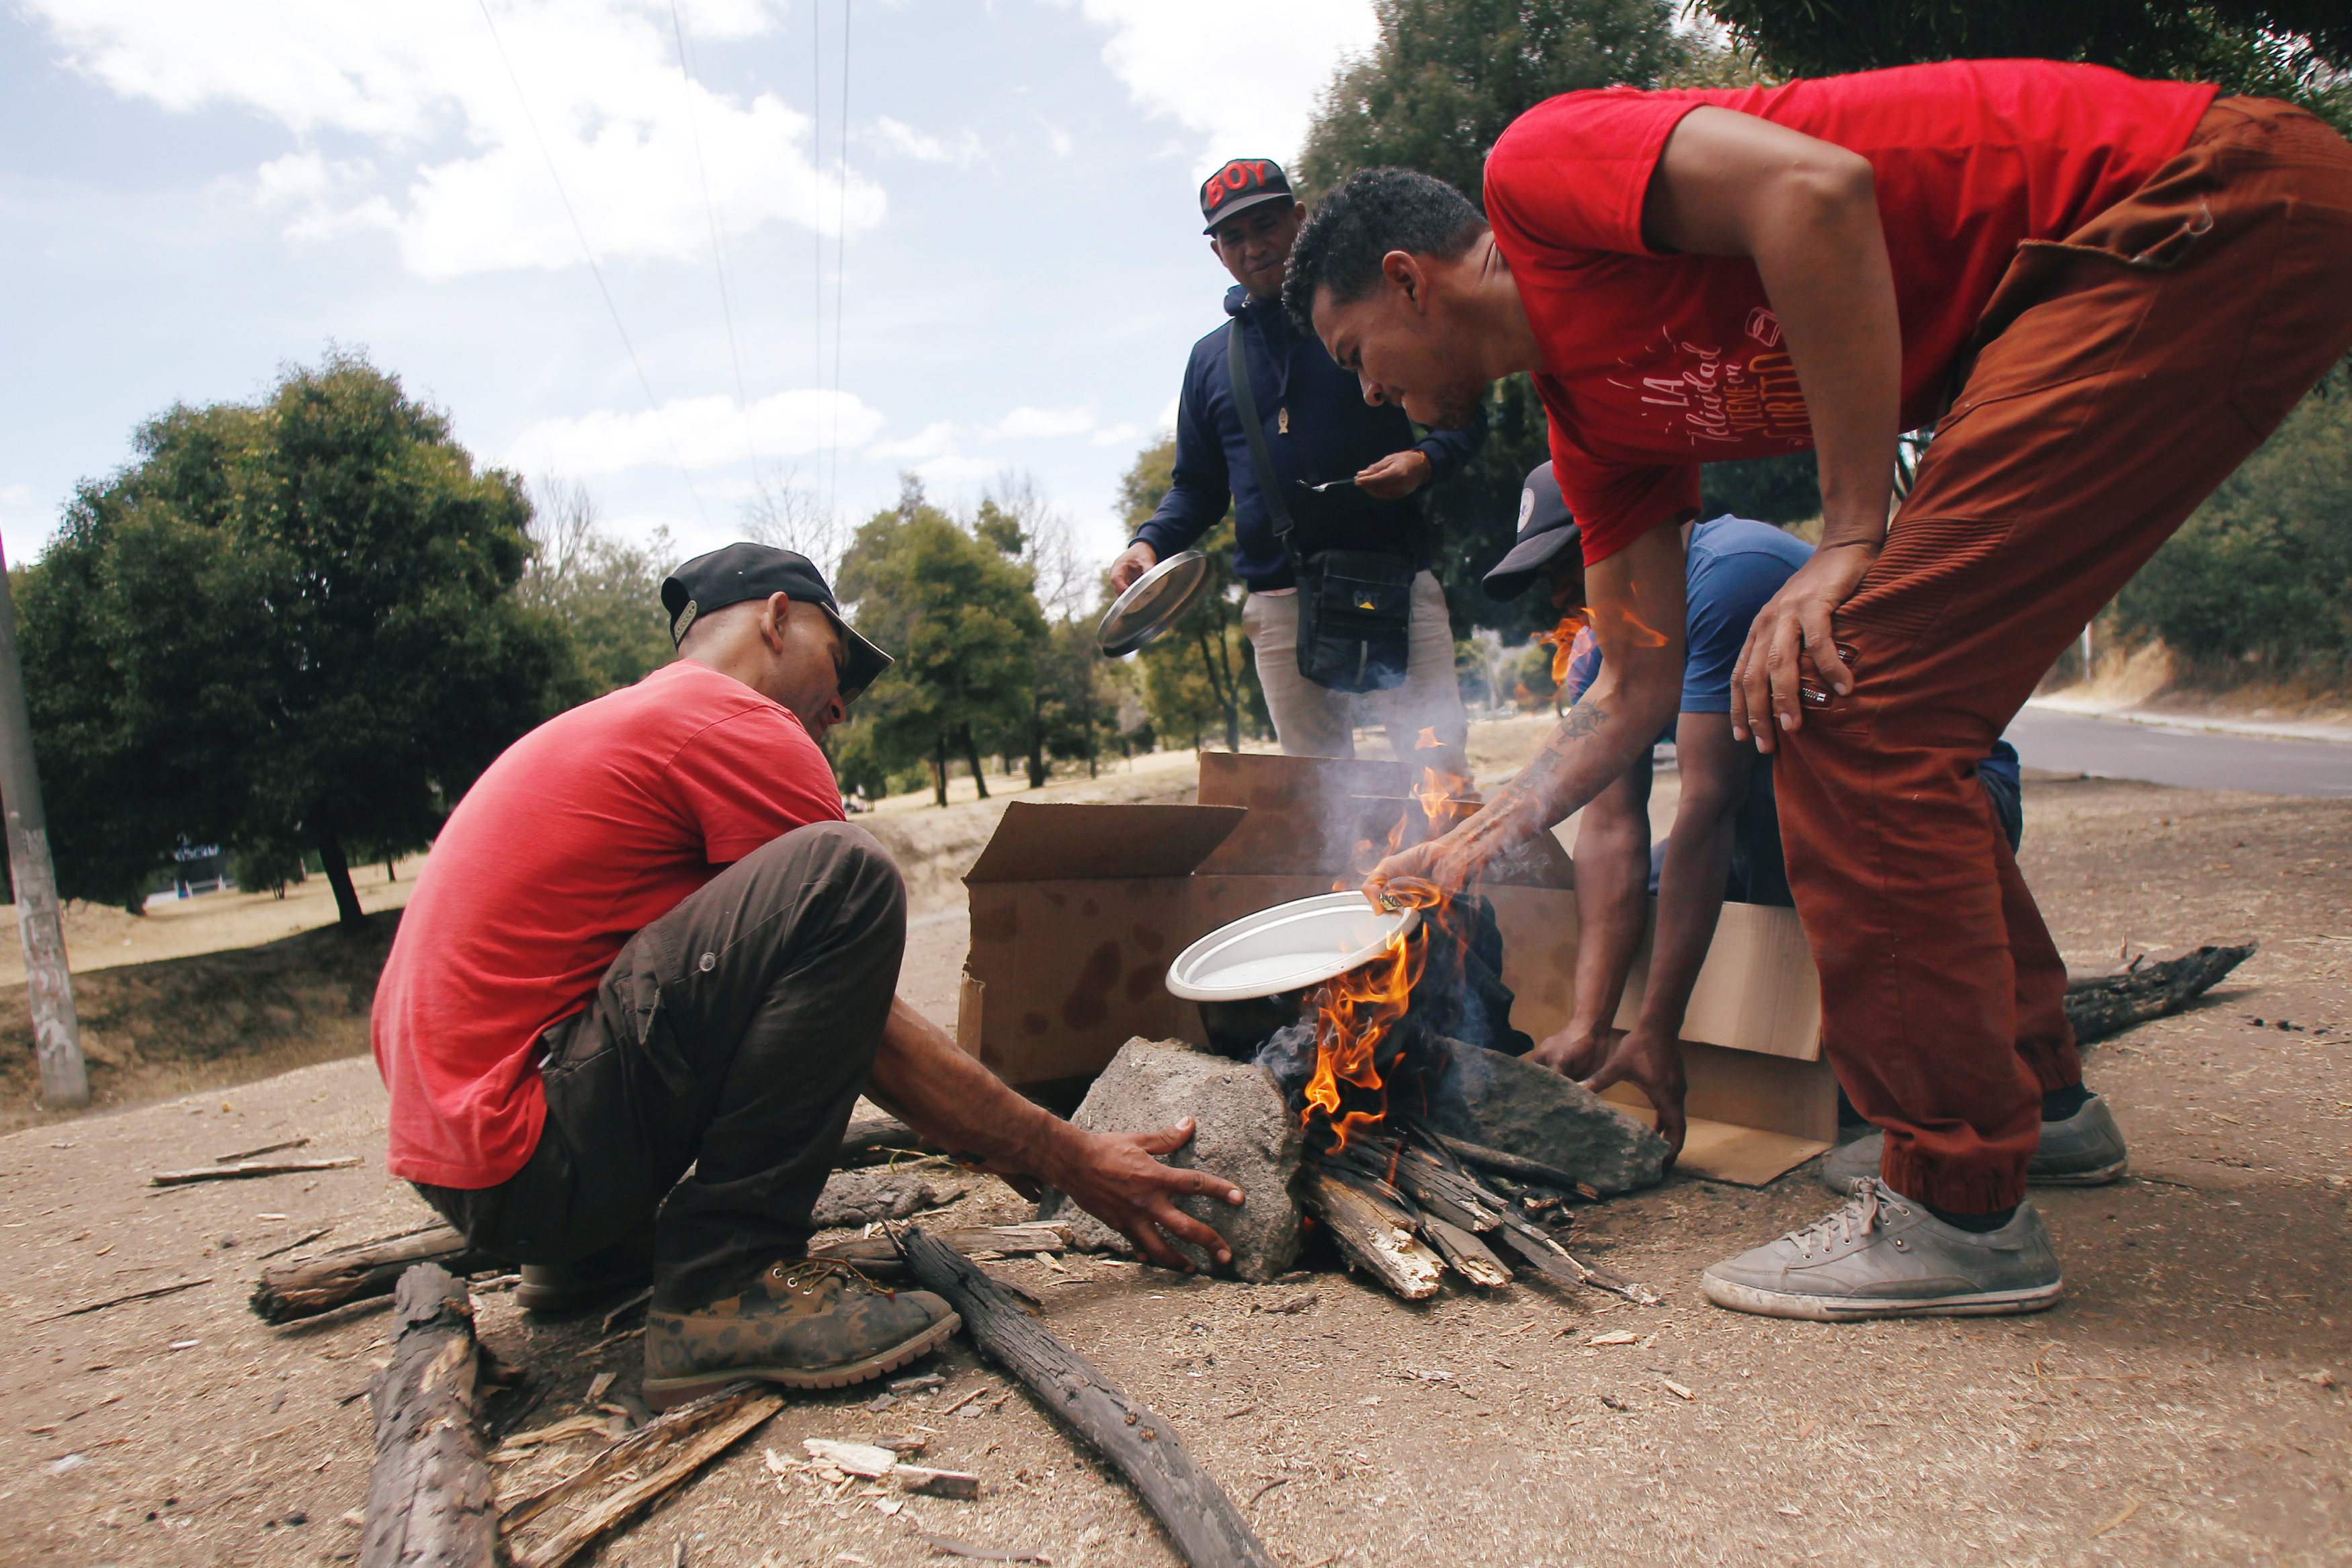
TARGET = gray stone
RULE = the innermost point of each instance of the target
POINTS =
(863, 1197)
(1242, 1133)
(1510, 1103)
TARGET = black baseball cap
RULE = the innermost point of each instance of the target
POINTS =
(746, 570)
(1546, 529)
(1243, 183)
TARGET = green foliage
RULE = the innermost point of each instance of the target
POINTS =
(2262, 573)
(286, 626)
(605, 592)
(1785, 489)
(1198, 677)
(2295, 49)
(1448, 76)
(964, 626)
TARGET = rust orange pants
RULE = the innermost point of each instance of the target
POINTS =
(2120, 376)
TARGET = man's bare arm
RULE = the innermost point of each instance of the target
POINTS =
(922, 1076)
(1613, 909)
(1636, 600)
(1806, 212)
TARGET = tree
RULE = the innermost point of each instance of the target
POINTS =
(1200, 671)
(1066, 704)
(604, 592)
(2262, 575)
(963, 624)
(289, 625)
(1446, 79)
(2295, 49)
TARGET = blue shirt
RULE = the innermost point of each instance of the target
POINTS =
(1732, 568)
(1332, 432)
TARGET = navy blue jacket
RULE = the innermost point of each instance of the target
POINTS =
(1333, 434)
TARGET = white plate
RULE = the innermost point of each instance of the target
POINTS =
(1152, 601)
(1286, 949)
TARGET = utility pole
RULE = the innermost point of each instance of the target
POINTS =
(57, 1034)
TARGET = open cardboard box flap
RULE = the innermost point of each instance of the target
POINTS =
(1078, 909)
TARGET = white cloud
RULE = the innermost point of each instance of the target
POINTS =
(462, 184)
(1244, 73)
(1112, 436)
(903, 139)
(1026, 424)
(702, 432)
(929, 441)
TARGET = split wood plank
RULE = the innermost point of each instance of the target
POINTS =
(657, 1455)
(654, 1460)
(1369, 1232)
(245, 1170)
(1207, 1529)
(1465, 1253)
(430, 1501)
(309, 1286)
(1509, 1165)
(879, 1252)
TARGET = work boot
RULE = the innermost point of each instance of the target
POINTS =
(2085, 1149)
(1883, 1256)
(556, 1287)
(807, 1323)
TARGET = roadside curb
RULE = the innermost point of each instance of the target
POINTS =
(2332, 733)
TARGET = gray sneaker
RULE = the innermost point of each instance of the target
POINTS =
(1883, 1256)
(2086, 1149)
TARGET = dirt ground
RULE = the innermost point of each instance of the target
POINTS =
(2171, 1410)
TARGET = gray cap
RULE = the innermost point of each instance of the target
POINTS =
(1546, 529)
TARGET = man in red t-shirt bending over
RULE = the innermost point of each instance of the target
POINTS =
(2101, 293)
(645, 940)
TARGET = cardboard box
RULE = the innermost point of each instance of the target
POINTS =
(1078, 909)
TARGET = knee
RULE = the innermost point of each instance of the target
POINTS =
(848, 856)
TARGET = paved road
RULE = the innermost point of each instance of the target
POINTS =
(2192, 759)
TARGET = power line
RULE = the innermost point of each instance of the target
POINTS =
(840, 274)
(817, 162)
(589, 251)
(717, 255)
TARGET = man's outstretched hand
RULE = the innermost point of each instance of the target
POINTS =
(1116, 1178)
(1650, 1062)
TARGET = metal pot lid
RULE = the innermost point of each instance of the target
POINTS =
(1152, 601)
(1286, 949)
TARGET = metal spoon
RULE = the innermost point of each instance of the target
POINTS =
(1319, 489)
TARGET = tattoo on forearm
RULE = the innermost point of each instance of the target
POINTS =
(1539, 782)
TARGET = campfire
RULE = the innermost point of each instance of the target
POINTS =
(1366, 1067)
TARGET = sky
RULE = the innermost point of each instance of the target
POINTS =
(628, 244)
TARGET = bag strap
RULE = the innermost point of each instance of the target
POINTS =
(1245, 400)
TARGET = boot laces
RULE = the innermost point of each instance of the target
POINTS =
(1851, 1222)
(808, 1273)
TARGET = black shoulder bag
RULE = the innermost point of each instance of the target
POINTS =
(1355, 607)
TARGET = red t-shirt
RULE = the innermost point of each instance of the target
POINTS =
(584, 831)
(1656, 363)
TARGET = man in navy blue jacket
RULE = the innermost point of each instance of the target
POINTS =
(1318, 429)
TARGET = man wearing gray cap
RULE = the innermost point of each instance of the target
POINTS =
(645, 941)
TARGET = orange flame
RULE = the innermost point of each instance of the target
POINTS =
(1559, 639)
(1446, 796)
(1354, 1013)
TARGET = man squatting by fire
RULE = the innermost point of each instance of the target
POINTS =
(1725, 842)
(2101, 293)
(646, 941)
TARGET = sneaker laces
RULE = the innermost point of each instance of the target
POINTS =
(1854, 1221)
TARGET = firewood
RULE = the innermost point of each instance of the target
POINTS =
(430, 1500)
(245, 1170)
(2101, 1005)
(1208, 1530)
(1369, 1233)
(877, 1255)
(1509, 1165)
(655, 1458)
(147, 1295)
(1547, 1255)
(309, 1286)
(878, 1140)
(1465, 1253)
